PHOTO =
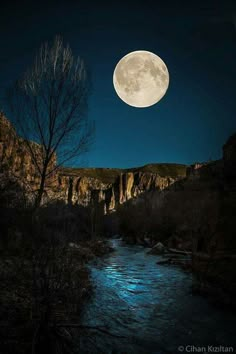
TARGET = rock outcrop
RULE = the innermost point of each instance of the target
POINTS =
(15, 160)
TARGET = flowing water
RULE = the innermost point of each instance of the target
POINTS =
(151, 307)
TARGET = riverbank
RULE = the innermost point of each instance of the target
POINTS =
(42, 288)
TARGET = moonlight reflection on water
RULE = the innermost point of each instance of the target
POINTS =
(151, 305)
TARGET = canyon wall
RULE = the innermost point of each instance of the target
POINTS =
(79, 189)
(77, 185)
(16, 163)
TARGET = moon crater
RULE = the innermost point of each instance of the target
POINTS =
(141, 78)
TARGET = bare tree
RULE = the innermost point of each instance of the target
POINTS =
(49, 105)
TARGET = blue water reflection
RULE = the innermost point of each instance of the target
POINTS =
(151, 305)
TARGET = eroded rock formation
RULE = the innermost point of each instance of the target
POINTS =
(79, 189)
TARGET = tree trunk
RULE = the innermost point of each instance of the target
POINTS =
(39, 196)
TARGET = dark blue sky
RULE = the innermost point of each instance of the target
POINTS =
(197, 43)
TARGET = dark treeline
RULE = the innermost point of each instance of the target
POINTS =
(43, 273)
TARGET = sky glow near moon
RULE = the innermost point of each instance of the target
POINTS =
(141, 79)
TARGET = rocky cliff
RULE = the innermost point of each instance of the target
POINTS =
(15, 160)
(81, 185)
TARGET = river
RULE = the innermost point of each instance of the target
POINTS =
(151, 306)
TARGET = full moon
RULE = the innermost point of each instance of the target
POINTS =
(141, 78)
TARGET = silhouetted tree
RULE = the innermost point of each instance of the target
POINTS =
(49, 104)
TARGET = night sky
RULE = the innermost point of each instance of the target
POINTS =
(197, 43)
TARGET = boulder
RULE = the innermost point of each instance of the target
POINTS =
(159, 248)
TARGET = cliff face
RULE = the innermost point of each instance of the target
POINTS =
(79, 189)
(15, 160)
(81, 186)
